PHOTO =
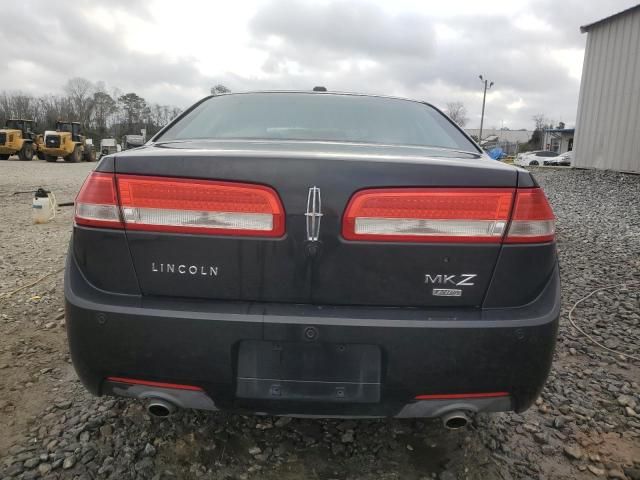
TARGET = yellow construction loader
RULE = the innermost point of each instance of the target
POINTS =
(17, 137)
(67, 141)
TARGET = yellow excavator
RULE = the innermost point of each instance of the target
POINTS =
(17, 137)
(67, 141)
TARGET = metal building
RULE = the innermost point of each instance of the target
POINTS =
(608, 121)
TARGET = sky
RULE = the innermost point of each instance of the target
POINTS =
(172, 52)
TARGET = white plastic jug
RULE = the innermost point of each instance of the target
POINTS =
(43, 206)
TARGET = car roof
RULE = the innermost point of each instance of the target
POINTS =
(328, 92)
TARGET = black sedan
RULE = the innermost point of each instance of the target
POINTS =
(313, 253)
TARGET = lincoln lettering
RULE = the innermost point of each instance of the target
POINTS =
(182, 269)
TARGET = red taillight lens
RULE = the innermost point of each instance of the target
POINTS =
(199, 206)
(428, 215)
(532, 220)
(179, 205)
(97, 203)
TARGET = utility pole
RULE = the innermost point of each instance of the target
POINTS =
(487, 86)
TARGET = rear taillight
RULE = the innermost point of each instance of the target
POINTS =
(532, 220)
(97, 202)
(199, 206)
(428, 215)
(179, 205)
(452, 215)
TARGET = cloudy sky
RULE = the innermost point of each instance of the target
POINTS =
(172, 52)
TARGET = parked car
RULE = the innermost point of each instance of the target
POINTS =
(132, 141)
(534, 158)
(108, 146)
(303, 253)
(564, 160)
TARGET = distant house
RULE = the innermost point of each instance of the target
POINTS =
(504, 135)
(608, 120)
(506, 139)
(559, 139)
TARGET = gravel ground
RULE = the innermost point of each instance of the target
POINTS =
(586, 424)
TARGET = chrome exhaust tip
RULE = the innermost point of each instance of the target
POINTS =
(455, 420)
(159, 408)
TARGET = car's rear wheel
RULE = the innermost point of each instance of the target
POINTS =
(534, 163)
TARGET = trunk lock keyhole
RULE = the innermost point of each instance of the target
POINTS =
(313, 249)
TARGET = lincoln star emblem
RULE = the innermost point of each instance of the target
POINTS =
(313, 214)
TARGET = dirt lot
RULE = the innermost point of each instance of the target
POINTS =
(586, 424)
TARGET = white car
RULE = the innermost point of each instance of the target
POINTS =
(537, 157)
(563, 159)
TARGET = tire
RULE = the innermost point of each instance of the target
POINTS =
(73, 157)
(4, 156)
(41, 156)
(90, 156)
(26, 152)
(533, 163)
(50, 158)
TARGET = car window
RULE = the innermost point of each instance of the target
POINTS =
(324, 117)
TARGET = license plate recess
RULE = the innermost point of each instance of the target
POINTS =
(308, 371)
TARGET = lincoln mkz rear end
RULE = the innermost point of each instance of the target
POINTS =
(320, 254)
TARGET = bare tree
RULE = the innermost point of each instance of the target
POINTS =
(103, 107)
(104, 111)
(175, 111)
(53, 108)
(80, 93)
(458, 113)
(218, 89)
(537, 138)
(17, 105)
(540, 120)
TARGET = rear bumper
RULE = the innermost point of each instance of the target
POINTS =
(438, 355)
(200, 399)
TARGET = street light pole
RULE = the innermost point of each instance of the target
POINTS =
(487, 85)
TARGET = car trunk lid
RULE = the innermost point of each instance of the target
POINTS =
(313, 262)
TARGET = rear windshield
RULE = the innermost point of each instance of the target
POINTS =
(328, 117)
